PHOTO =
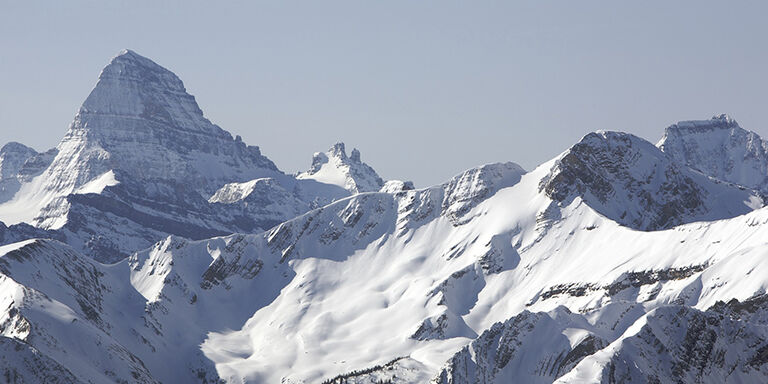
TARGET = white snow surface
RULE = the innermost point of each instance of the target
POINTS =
(616, 261)
(415, 275)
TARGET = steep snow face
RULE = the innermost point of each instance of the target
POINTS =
(719, 148)
(22, 363)
(140, 123)
(56, 299)
(634, 183)
(334, 167)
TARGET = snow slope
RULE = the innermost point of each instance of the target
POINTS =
(407, 280)
(617, 261)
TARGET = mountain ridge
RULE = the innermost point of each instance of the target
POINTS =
(166, 250)
(142, 162)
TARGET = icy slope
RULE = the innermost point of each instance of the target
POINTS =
(720, 148)
(334, 167)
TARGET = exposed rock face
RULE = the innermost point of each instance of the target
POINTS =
(634, 183)
(463, 192)
(672, 344)
(140, 123)
(350, 173)
(679, 344)
(530, 347)
(719, 148)
(21, 363)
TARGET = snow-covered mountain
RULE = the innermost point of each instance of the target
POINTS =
(351, 173)
(719, 148)
(634, 183)
(140, 162)
(618, 261)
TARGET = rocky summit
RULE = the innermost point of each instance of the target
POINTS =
(152, 246)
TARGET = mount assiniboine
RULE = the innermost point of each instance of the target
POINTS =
(150, 246)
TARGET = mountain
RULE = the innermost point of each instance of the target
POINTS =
(719, 148)
(140, 162)
(334, 167)
(139, 123)
(634, 183)
(618, 261)
(393, 287)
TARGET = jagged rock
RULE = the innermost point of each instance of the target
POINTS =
(350, 173)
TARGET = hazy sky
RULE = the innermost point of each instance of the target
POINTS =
(425, 89)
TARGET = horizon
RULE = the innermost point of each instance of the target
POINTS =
(328, 74)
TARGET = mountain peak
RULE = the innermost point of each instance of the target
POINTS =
(335, 167)
(134, 85)
(719, 148)
(338, 150)
(634, 183)
(139, 124)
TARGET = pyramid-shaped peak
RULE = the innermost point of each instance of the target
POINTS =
(140, 125)
(131, 67)
(133, 85)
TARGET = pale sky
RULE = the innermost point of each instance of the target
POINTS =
(425, 89)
